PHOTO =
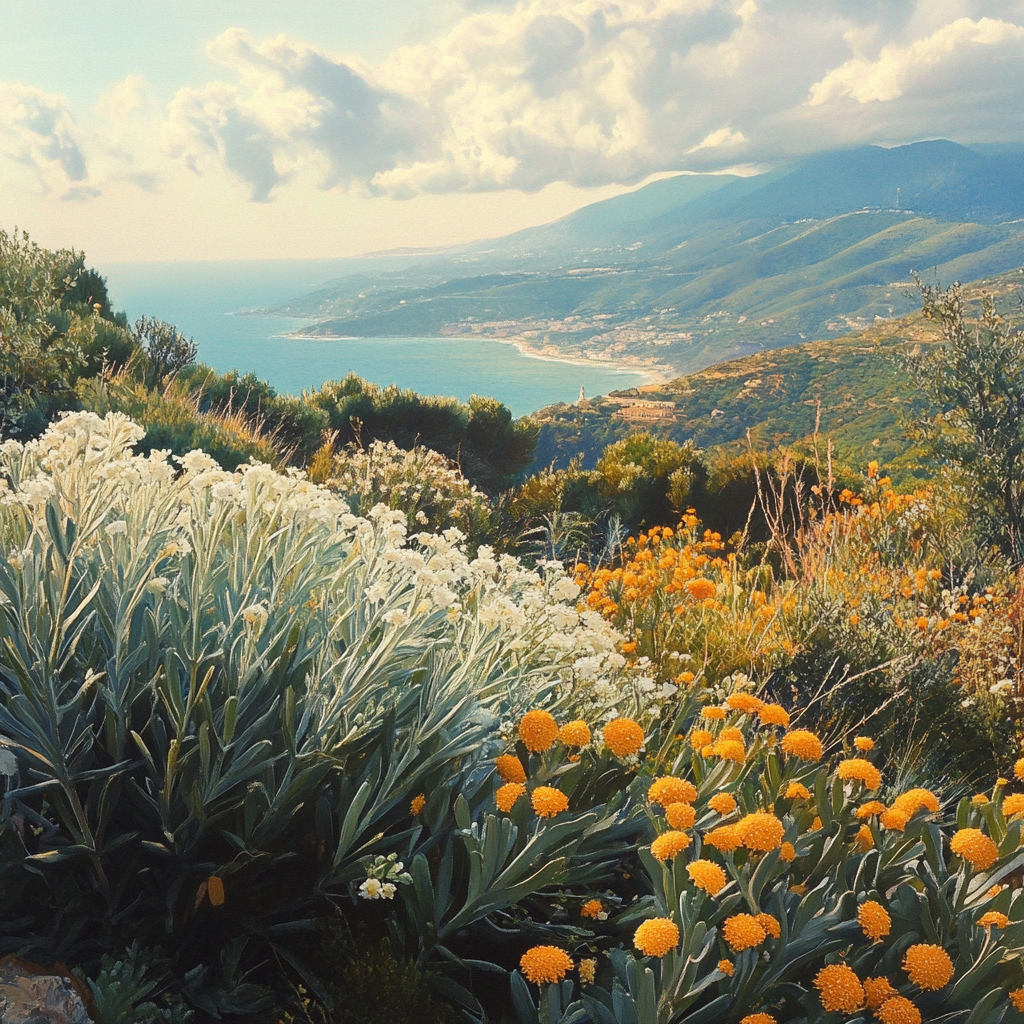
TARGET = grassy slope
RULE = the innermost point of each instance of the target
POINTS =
(852, 386)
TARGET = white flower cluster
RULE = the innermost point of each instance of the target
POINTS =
(519, 635)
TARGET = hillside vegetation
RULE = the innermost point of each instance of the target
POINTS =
(692, 270)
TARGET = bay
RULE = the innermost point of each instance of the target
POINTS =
(205, 300)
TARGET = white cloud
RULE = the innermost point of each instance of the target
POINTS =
(717, 139)
(38, 132)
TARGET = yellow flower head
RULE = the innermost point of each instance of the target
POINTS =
(591, 908)
(993, 919)
(874, 920)
(774, 714)
(732, 735)
(574, 734)
(758, 1018)
(815, 825)
(760, 831)
(1017, 998)
(928, 966)
(864, 744)
(716, 714)
(797, 791)
(770, 925)
(730, 750)
(914, 800)
(858, 769)
(743, 931)
(864, 839)
(975, 847)
(545, 965)
(1013, 804)
(870, 809)
(622, 736)
(538, 730)
(723, 803)
(656, 936)
(1018, 768)
(979, 799)
(548, 801)
(877, 991)
(670, 790)
(726, 967)
(787, 853)
(803, 744)
(706, 875)
(840, 989)
(680, 815)
(994, 891)
(893, 819)
(700, 738)
(588, 970)
(745, 702)
(669, 845)
(510, 768)
(724, 838)
(508, 794)
(419, 801)
(700, 589)
(899, 1010)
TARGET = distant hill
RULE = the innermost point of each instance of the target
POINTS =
(695, 269)
(848, 390)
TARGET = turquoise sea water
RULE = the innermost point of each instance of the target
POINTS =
(203, 300)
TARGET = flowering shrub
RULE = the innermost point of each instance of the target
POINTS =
(221, 694)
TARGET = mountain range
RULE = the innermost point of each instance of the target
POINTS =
(694, 269)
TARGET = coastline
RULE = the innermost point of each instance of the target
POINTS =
(652, 375)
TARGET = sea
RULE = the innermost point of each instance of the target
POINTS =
(210, 302)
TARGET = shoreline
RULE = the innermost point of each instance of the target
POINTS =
(652, 375)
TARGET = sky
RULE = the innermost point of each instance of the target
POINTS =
(140, 131)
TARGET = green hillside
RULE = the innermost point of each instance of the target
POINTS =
(851, 388)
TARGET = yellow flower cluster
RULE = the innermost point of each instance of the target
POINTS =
(545, 965)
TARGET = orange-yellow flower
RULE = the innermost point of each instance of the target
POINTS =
(858, 769)
(717, 714)
(588, 970)
(669, 845)
(913, 800)
(745, 702)
(877, 991)
(545, 965)
(1017, 998)
(840, 989)
(993, 919)
(770, 925)
(864, 744)
(974, 847)
(700, 589)
(591, 908)
(656, 936)
(928, 966)
(730, 750)
(864, 839)
(758, 1018)
(419, 801)
(685, 678)
(815, 825)
(979, 798)
(680, 815)
(1013, 804)
(538, 730)
(670, 790)
(548, 801)
(574, 734)
(870, 809)
(510, 768)
(725, 838)
(622, 736)
(893, 819)
(874, 920)
(760, 831)
(743, 931)
(774, 714)
(508, 794)
(803, 744)
(726, 967)
(706, 875)
(700, 738)
(787, 853)
(797, 791)
(898, 1010)
(724, 803)
(1018, 768)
